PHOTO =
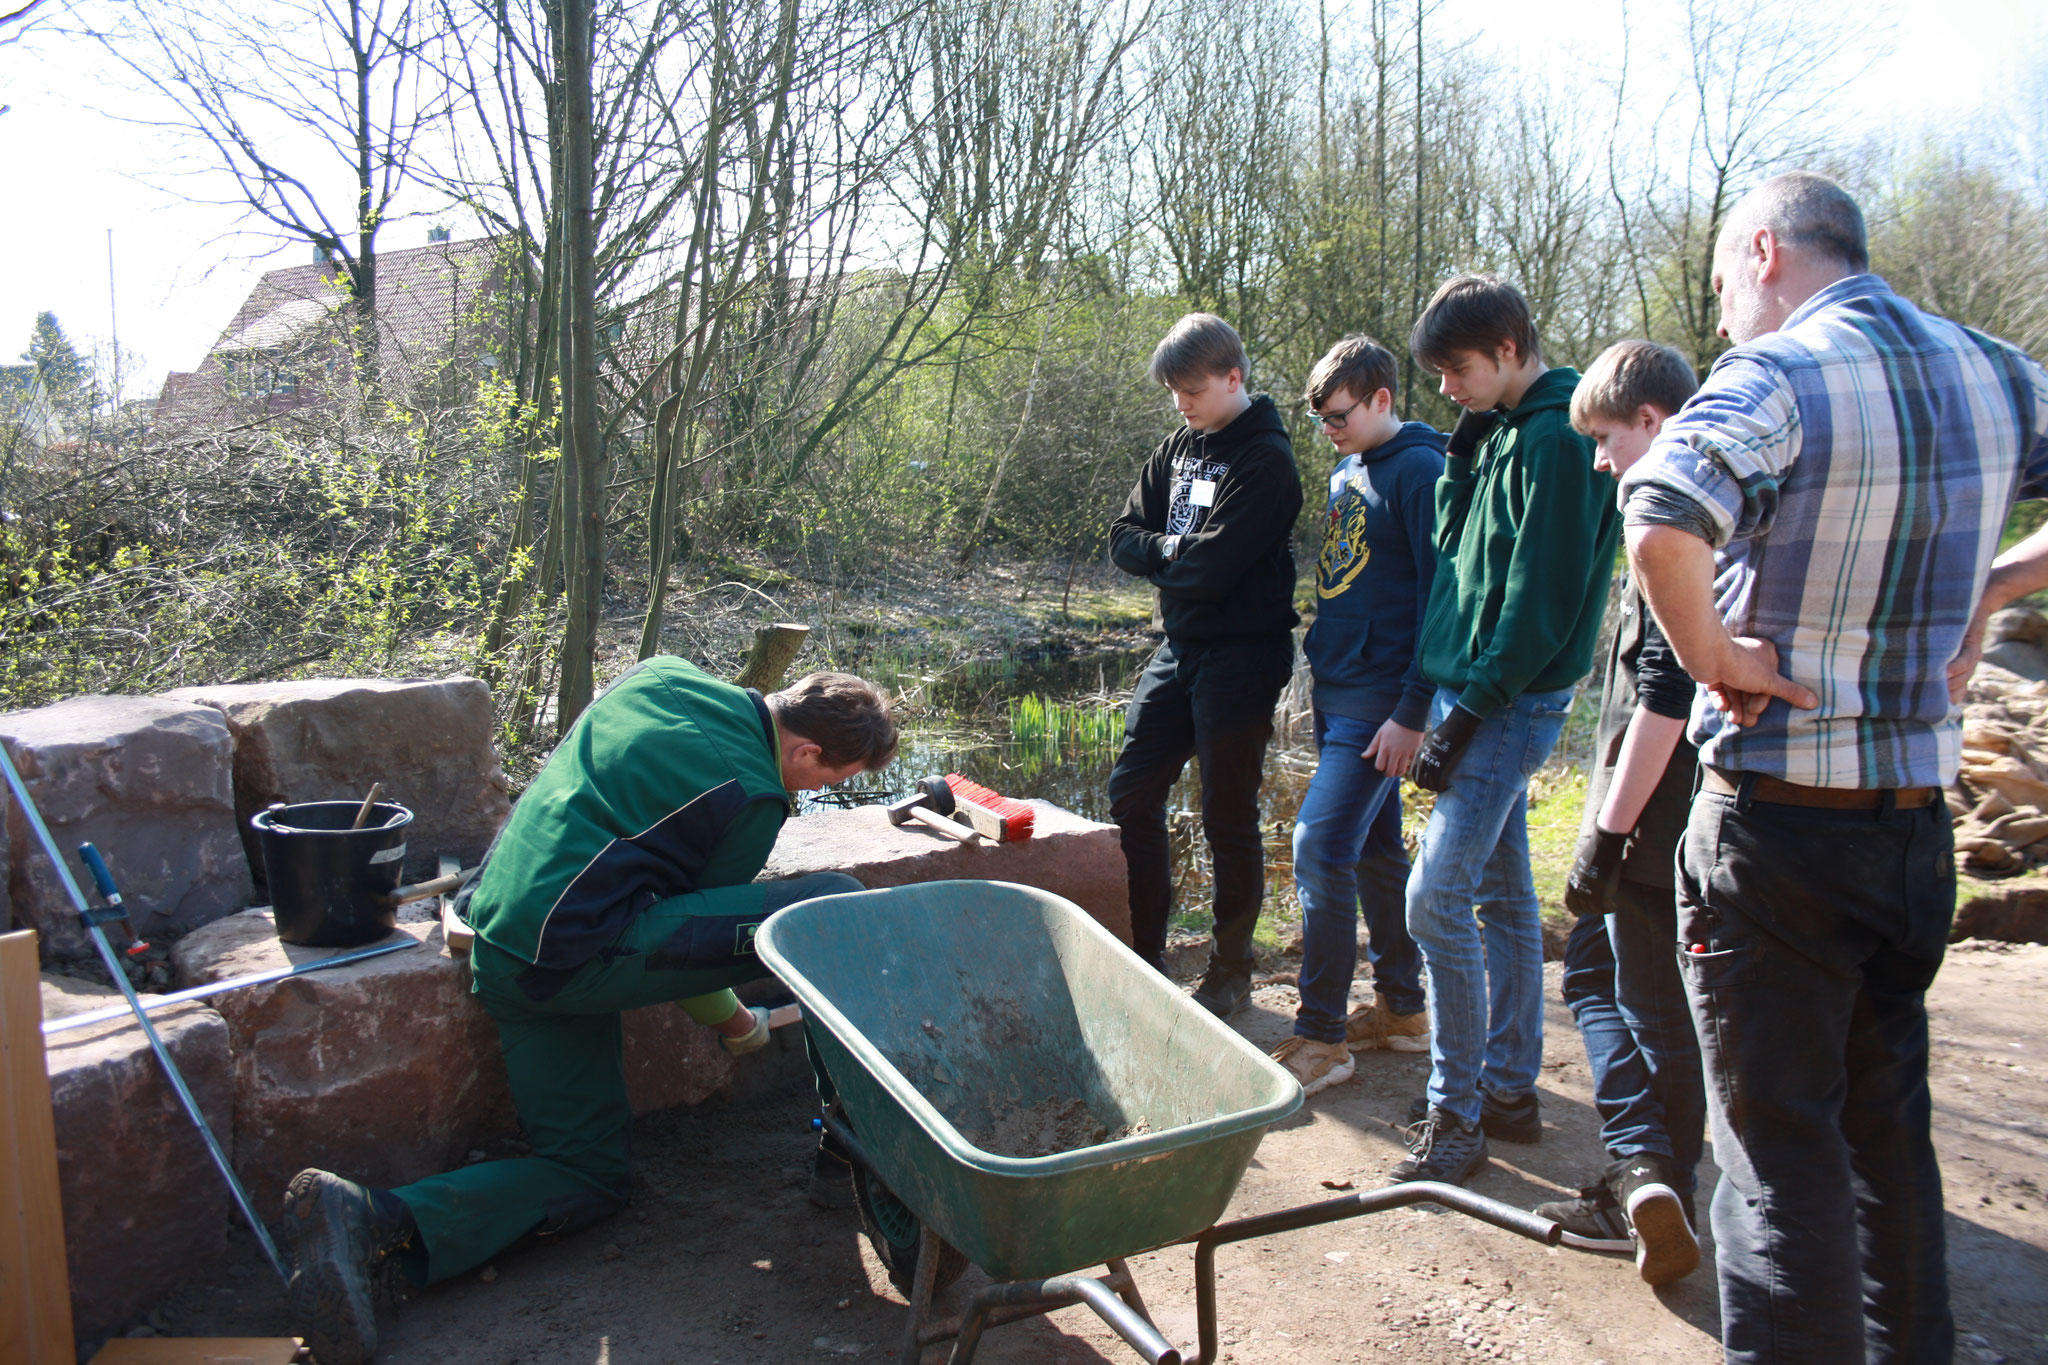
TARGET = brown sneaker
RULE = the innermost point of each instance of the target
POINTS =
(1317, 1066)
(1378, 1025)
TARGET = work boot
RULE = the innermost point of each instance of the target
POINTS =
(1224, 990)
(1441, 1147)
(1316, 1066)
(1666, 1249)
(1516, 1120)
(1379, 1025)
(831, 1179)
(336, 1236)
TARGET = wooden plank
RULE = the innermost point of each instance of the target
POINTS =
(198, 1351)
(35, 1285)
(457, 935)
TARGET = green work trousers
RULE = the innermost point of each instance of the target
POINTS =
(565, 1058)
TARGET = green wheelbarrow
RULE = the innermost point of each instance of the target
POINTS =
(936, 1008)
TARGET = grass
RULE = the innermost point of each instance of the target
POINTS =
(1557, 800)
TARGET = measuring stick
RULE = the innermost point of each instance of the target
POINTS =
(236, 983)
(91, 920)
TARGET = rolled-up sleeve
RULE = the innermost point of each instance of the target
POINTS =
(1716, 467)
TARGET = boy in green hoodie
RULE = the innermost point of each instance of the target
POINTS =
(1526, 532)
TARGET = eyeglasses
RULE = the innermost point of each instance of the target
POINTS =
(1336, 419)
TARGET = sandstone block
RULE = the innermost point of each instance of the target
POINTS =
(144, 1207)
(2015, 914)
(328, 739)
(672, 1059)
(384, 1071)
(147, 779)
(1066, 855)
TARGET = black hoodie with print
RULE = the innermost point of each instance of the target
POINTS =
(1231, 496)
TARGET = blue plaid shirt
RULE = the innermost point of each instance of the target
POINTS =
(1854, 469)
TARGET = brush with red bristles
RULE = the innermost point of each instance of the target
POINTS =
(993, 816)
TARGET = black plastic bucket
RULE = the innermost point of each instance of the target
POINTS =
(330, 885)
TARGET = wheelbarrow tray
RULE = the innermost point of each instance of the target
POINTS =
(935, 1007)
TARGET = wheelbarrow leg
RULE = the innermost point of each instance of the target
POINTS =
(920, 1295)
(1121, 1279)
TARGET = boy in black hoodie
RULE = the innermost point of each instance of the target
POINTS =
(1371, 707)
(1209, 525)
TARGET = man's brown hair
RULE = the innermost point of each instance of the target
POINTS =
(1357, 363)
(846, 717)
(1200, 346)
(1475, 313)
(1628, 376)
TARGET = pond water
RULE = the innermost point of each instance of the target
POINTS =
(1049, 727)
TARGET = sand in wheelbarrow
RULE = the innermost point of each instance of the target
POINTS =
(1047, 1128)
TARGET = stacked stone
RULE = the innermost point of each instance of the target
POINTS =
(2000, 797)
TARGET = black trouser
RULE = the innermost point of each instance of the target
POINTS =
(1212, 701)
(1808, 938)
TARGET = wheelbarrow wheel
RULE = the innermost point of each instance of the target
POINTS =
(893, 1231)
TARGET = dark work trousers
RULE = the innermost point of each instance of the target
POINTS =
(565, 1059)
(1808, 939)
(1212, 701)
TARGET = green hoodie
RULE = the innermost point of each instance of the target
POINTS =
(1525, 534)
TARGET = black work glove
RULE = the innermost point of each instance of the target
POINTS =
(1473, 427)
(1441, 749)
(1590, 889)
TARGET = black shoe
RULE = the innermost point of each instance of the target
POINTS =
(831, 1181)
(1224, 991)
(337, 1235)
(1518, 1120)
(1521, 1121)
(1441, 1147)
(1594, 1215)
(1666, 1249)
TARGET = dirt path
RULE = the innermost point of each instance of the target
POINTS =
(722, 1262)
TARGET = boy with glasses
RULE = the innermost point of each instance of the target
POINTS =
(1371, 706)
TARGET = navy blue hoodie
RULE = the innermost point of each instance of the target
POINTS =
(1373, 579)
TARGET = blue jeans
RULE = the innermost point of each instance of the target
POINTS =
(1811, 938)
(1347, 856)
(1485, 974)
(1622, 985)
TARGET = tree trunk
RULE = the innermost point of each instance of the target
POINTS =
(775, 649)
(582, 459)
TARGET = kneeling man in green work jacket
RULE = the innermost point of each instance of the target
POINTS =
(625, 877)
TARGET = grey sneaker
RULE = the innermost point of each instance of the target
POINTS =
(1594, 1215)
(1441, 1147)
(336, 1237)
(1666, 1248)
(1224, 991)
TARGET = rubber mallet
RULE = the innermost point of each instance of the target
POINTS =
(930, 804)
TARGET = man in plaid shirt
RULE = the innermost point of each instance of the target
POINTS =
(1829, 504)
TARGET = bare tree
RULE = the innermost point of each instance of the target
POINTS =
(313, 110)
(1755, 92)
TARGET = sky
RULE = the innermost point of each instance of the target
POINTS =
(83, 178)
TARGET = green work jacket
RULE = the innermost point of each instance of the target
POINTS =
(669, 785)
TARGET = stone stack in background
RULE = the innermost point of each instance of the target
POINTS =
(2000, 797)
